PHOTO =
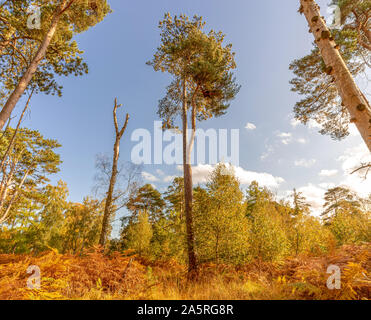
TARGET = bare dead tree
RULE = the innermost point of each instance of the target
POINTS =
(108, 210)
(127, 182)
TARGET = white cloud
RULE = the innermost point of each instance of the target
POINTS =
(354, 156)
(160, 172)
(314, 196)
(149, 177)
(169, 178)
(250, 126)
(264, 179)
(294, 123)
(286, 137)
(284, 134)
(312, 124)
(352, 159)
(201, 173)
(327, 185)
(267, 153)
(302, 140)
(306, 163)
(358, 184)
(353, 131)
(328, 173)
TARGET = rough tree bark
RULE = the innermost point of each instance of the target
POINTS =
(353, 99)
(188, 191)
(32, 68)
(111, 187)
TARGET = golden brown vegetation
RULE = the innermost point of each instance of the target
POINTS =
(117, 276)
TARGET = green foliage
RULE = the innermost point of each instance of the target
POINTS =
(267, 237)
(300, 204)
(139, 235)
(31, 149)
(47, 221)
(25, 168)
(19, 44)
(51, 218)
(201, 62)
(308, 235)
(351, 227)
(82, 225)
(175, 196)
(169, 233)
(338, 199)
(147, 199)
(220, 223)
(169, 239)
(166, 221)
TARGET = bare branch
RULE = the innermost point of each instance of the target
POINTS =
(364, 167)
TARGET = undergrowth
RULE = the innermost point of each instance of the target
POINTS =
(95, 275)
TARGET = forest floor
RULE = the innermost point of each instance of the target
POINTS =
(98, 276)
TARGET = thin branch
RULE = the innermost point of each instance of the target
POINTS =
(16, 131)
(7, 212)
(364, 166)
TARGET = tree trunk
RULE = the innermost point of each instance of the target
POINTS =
(108, 204)
(10, 146)
(116, 155)
(5, 215)
(32, 68)
(368, 35)
(188, 192)
(217, 249)
(353, 99)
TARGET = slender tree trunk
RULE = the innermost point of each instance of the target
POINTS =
(108, 204)
(116, 155)
(32, 68)
(5, 215)
(217, 248)
(188, 191)
(7, 179)
(10, 146)
(353, 99)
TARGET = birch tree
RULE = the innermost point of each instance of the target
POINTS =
(108, 209)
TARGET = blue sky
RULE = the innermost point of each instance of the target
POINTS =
(266, 36)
